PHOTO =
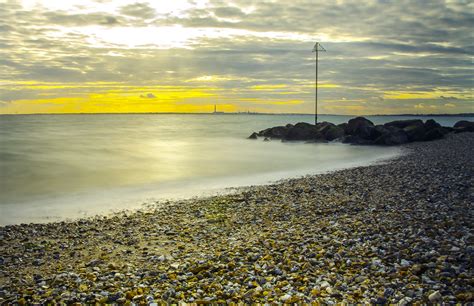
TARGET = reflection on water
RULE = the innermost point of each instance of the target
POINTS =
(61, 166)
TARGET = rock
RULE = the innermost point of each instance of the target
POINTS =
(357, 123)
(431, 124)
(434, 134)
(303, 131)
(435, 297)
(405, 301)
(285, 298)
(121, 300)
(253, 136)
(266, 139)
(401, 124)
(274, 132)
(392, 136)
(388, 292)
(333, 132)
(299, 134)
(356, 140)
(464, 126)
(323, 126)
(343, 126)
(304, 125)
(94, 263)
(415, 132)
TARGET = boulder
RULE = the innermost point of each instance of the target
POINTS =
(333, 132)
(343, 125)
(302, 133)
(304, 125)
(392, 136)
(357, 123)
(324, 125)
(415, 132)
(356, 140)
(464, 126)
(431, 124)
(274, 132)
(367, 132)
(401, 124)
(253, 136)
(433, 134)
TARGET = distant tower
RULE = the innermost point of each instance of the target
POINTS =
(215, 110)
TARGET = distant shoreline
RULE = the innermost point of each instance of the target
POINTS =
(252, 114)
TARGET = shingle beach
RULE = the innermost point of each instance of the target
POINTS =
(398, 232)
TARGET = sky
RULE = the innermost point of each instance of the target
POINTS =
(108, 56)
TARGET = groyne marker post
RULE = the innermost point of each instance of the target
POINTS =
(316, 49)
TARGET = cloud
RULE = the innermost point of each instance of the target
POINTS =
(228, 12)
(138, 10)
(66, 19)
(448, 98)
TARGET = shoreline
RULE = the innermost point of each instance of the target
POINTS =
(384, 233)
(86, 205)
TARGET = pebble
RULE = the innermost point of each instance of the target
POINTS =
(435, 297)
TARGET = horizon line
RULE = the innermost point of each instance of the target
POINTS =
(241, 113)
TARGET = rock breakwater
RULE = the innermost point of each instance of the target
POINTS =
(362, 131)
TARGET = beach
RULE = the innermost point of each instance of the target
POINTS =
(395, 232)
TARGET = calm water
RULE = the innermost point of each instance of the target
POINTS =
(64, 166)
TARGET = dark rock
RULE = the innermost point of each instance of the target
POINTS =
(324, 126)
(266, 139)
(392, 136)
(352, 139)
(302, 131)
(357, 123)
(299, 133)
(289, 125)
(274, 132)
(431, 124)
(333, 132)
(304, 125)
(415, 132)
(401, 124)
(367, 132)
(253, 136)
(464, 124)
(434, 134)
(343, 126)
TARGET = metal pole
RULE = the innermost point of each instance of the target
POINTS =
(316, 92)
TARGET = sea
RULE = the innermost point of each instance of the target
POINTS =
(63, 167)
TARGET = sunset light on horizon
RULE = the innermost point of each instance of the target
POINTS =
(384, 57)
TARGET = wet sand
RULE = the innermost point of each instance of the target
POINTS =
(398, 232)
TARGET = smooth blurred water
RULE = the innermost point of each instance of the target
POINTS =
(64, 166)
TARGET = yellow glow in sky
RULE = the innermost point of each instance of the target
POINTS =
(185, 56)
